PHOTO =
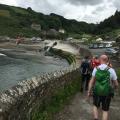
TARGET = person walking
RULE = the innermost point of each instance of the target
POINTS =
(85, 73)
(103, 81)
(95, 62)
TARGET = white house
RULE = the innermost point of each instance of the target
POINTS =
(99, 40)
(61, 31)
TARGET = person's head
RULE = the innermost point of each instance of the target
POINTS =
(104, 59)
(96, 57)
(86, 57)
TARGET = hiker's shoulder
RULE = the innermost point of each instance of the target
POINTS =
(102, 66)
(111, 69)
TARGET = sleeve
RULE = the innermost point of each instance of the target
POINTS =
(114, 75)
(94, 72)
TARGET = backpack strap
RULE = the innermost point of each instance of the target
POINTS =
(97, 68)
(107, 68)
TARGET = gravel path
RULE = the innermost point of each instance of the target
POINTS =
(80, 109)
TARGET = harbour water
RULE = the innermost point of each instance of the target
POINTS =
(13, 70)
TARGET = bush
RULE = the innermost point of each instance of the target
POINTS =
(118, 74)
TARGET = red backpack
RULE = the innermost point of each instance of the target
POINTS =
(95, 63)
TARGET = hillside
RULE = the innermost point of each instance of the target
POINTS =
(16, 20)
(110, 24)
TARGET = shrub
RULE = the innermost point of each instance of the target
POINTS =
(118, 74)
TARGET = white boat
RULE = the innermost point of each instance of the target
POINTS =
(2, 54)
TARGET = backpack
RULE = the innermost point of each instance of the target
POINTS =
(85, 66)
(103, 84)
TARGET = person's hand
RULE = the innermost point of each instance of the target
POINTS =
(89, 93)
(88, 96)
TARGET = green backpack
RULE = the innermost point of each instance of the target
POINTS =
(102, 85)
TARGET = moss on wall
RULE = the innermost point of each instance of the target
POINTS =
(66, 55)
(57, 102)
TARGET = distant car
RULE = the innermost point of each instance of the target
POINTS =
(110, 51)
(101, 46)
(36, 40)
(93, 46)
(116, 48)
(108, 45)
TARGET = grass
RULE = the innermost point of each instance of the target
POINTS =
(58, 101)
(118, 73)
(19, 10)
(4, 13)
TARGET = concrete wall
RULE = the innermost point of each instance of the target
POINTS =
(20, 101)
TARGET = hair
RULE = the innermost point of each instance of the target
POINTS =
(109, 63)
(86, 57)
(96, 57)
(104, 58)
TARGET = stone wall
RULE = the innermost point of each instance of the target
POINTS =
(23, 99)
(83, 50)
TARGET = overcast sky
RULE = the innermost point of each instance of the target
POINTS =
(91, 11)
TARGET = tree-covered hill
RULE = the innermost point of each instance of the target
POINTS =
(15, 20)
(108, 25)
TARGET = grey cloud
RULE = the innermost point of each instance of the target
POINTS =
(85, 2)
(43, 6)
(83, 10)
(99, 9)
(117, 4)
(40, 6)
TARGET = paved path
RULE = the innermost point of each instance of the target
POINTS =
(80, 109)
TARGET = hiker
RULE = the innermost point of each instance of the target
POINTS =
(103, 82)
(19, 40)
(85, 73)
(95, 62)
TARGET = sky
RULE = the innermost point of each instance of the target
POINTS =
(91, 11)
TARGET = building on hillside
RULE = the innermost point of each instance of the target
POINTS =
(99, 40)
(61, 31)
(52, 32)
(36, 26)
(69, 39)
(84, 39)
